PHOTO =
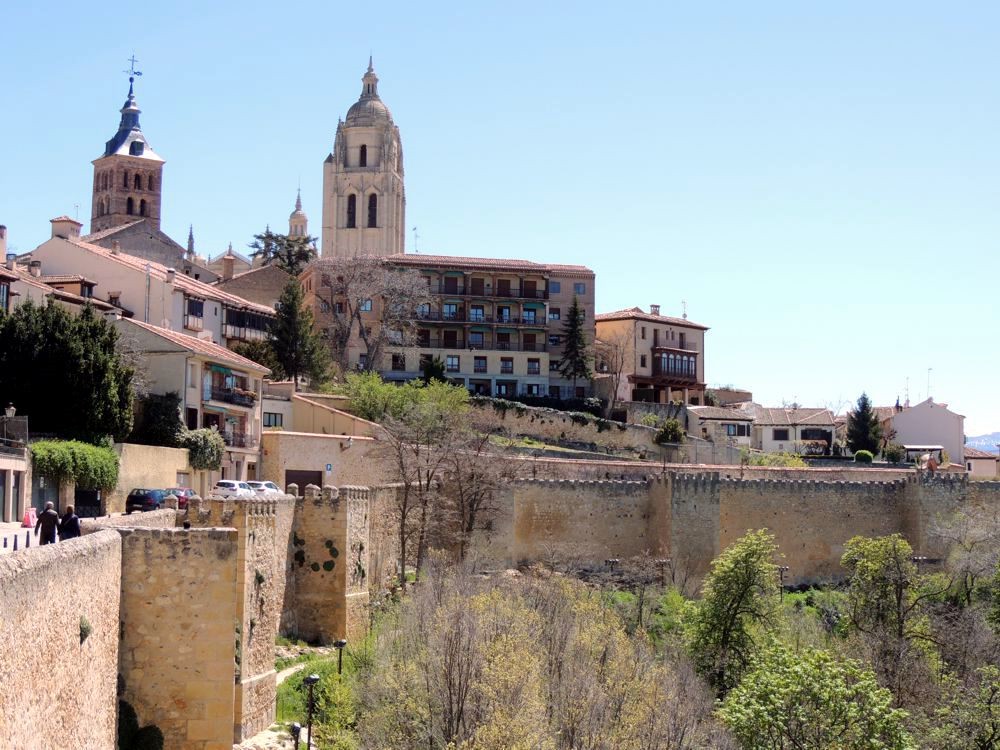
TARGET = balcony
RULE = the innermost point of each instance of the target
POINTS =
(194, 322)
(485, 345)
(237, 439)
(675, 375)
(513, 292)
(435, 316)
(237, 396)
(242, 333)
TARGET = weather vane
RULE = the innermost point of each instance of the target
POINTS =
(132, 72)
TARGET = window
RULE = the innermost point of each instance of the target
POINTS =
(196, 307)
(362, 361)
(142, 207)
(479, 364)
(423, 310)
(476, 313)
(476, 339)
(366, 306)
(4, 297)
(507, 365)
(151, 182)
(730, 429)
(130, 206)
(743, 430)
(642, 360)
(324, 306)
(780, 434)
(504, 389)
(555, 287)
(534, 367)
(339, 308)
(138, 182)
(398, 362)
(449, 311)
(363, 157)
(352, 211)
(531, 389)
(555, 340)
(579, 288)
(554, 365)
(372, 211)
(125, 180)
(581, 392)
(555, 313)
(452, 363)
(642, 333)
(274, 419)
(529, 316)
(503, 314)
(553, 391)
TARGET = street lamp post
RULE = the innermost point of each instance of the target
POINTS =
(296, 730)
(782, 569)
(340, 645)
(311, 681)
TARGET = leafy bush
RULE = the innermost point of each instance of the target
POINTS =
(88, 466)
(205, 448)
(671, 431)
(863, 457)
(894, 453)
(649, 420)
(784, 460)
(159, 421)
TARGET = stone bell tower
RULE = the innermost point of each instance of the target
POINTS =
(364, 202)
(127, 176)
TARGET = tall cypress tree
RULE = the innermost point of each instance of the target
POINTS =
(864, 433)
(576, 353)
(296, 346)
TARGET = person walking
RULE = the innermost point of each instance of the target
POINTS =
(69, 525)
(48, 521)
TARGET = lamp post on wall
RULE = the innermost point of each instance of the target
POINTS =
(311, 681)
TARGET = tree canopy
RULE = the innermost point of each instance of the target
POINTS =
(290, 253)
(575, 364)
(65, 373)
(296, 345)
(864, 433)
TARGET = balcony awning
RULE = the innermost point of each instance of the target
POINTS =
(220, 368)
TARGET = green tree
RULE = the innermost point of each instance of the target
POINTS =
(575, 362)
(292, 254)
(812, 701)
(159, 420)
(66, 373)
(738, 607)
(969, 717)
(993, 614)
(261, 352)
(433, 368)
(864, 433)
(296, 346)
(671, 431)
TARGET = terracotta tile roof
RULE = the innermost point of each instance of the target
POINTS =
(202, 347)
(183, 282)
(105, 233)
(65, 278)
(790, 417)
(636, 313)
(65, 218)
(8, 275)
(971, 452)
(717, 412)
(465, 261)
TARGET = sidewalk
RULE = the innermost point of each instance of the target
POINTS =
(10, 530)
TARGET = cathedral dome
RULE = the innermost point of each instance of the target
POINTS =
(369, 109)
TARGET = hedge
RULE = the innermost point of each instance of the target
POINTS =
(88, 466)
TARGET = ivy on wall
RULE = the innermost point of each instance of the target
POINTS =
(89, 466)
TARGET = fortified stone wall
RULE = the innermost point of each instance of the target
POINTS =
(319, 537)
(178, 625)
(154, 519)
(59, 687)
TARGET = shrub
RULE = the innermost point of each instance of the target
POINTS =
(88, 466)
(671, 431)
(863, 457)
(159, 420)
(205, 448)
(85, 629)
(894, 453)
(649, 420)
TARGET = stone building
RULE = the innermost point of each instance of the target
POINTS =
(364, 202)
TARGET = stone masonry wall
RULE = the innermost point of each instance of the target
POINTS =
(60, 691)
(154, 519)
(178, 632)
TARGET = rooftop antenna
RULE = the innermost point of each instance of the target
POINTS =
(929, 381)
(907, 402)
(76, 211)
(416, 237)
(684, 305)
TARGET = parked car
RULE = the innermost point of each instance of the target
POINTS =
(265, 489)
(182, 494)
(232, 488)
(142, 499)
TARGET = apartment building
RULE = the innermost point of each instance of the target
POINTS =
(149, 291)
(664, 357)
(497, 324)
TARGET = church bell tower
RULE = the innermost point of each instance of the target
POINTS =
(127, 176)
(364, 202)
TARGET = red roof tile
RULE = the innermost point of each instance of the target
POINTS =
(636, 313)
(202, 346)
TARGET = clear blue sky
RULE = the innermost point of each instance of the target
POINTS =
(818, 181)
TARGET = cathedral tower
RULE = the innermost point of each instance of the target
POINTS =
(127, 177)
(298, 222)
(364, 202)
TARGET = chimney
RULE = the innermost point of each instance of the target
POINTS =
(66, 228)
(11, 262)
(654, 309)
(116, 247)
(171, 275)
(3, 240)
(35, 268)
(228, 266)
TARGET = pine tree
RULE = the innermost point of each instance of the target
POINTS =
(296, 346)
(292, 254)
(863, 429)
(576, 353)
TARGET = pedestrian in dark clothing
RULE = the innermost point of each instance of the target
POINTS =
(48, 521)
(69, 525)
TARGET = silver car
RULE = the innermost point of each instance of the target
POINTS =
(265, 489)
